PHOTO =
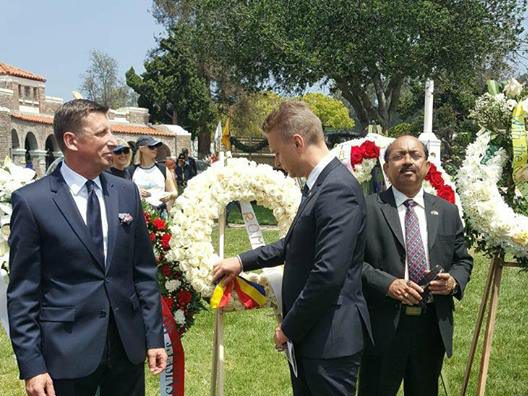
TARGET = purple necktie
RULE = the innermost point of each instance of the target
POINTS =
(413, 244)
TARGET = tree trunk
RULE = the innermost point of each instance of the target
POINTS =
(366, 113)
(204, 143)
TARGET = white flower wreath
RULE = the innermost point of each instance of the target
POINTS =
(195, 212)
(483, 204)
(12, 177)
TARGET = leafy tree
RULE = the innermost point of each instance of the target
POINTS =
(367, 51)
(332, 112)
(174, 90)
(452, 103)
(250, 111)
(102, 84)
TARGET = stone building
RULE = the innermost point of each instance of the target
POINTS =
(26, 122)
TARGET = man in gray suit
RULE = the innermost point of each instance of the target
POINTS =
(324, 312)
(409, 232)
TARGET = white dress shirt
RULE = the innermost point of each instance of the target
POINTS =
(314, 174)
(79, 192)
(419, 209)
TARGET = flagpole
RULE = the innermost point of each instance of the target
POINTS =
(217, 372)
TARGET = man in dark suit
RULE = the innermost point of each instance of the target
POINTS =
(410, 232)
(83, 301)
(324, 312)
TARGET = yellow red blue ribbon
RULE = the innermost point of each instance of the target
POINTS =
(250, 294)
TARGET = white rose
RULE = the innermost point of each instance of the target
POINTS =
(179, 317)
(172, 285)
(513, 88)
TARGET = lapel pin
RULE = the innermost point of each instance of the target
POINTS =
(434, 212)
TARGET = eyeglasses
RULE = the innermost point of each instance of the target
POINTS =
(415, 156)
(123, 150)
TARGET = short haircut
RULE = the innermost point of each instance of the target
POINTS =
(389, 148)
(70, 116)
(294, 117)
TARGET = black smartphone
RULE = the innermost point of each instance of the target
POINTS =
(430, 276)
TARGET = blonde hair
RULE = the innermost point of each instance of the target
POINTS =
(123, 142)
(294, 117)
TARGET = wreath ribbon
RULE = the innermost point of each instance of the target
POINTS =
(520, 150)
(250, 294)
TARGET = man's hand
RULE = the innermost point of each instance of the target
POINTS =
(408, 292)
(227, 269)
(157, 360)
(444, 284)
(40, 385)
(280, 339)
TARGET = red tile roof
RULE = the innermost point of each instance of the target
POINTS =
(39, 119)
(123, 128)
(140, 130)
(9, 70)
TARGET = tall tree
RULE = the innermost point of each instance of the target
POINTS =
(173, 88)
(331, 111)
(102, 84)
(366, 51)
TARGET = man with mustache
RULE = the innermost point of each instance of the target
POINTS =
(410, 232)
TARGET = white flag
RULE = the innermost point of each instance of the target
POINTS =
(218, 136)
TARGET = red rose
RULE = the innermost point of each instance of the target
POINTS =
(166, 270)
(147, 217)
(370, 150)
(184, 297)
(152, 237)
(165, 239)
(356, 155)
(446, 193)
(435, 178)
(159, 224)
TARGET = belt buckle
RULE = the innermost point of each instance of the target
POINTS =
(413, 310)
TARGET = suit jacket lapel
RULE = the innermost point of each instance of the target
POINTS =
(390, 212)
(431, 215)
(322, 176)
(66, 205)
(111, 203)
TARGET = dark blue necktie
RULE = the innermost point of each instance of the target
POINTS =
(93, 218)
(305, 193)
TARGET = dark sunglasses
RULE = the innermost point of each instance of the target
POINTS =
(153, 147)
(124, 150)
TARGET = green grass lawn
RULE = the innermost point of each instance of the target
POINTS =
(264, 215)
(253, 368)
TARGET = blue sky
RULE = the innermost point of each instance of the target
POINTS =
(53, 38)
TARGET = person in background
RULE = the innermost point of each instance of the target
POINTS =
(170, 164)
(121, 158)
(150, 176)
(191, 162)
(183, 173)
(409, 233)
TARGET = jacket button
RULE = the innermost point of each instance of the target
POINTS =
(102, 314)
